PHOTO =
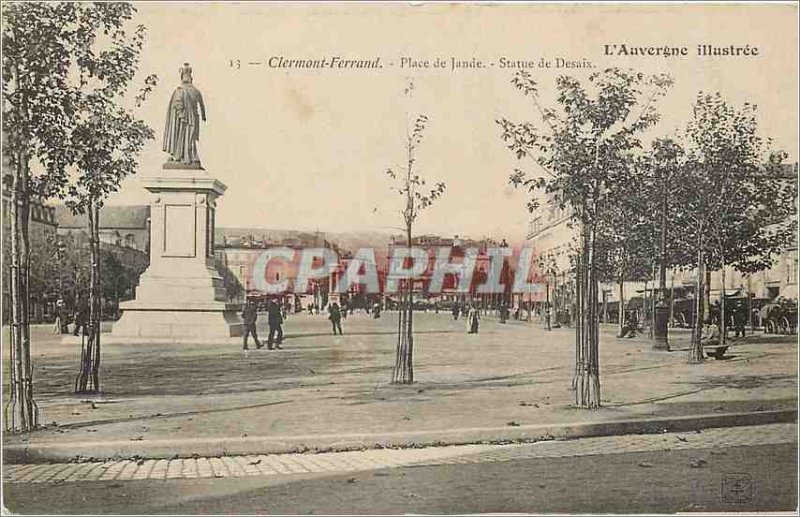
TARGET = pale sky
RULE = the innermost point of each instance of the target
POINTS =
(308, 149)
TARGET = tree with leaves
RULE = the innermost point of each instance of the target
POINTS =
(548, 271)
(737, 205)
(106, 139)
(66, 67)
(586, 151)
(640, 216)
(625, 239)
(38, 108)
(416, 197)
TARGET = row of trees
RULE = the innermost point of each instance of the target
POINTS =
(66, 72)
(713, 195)
(60, 268)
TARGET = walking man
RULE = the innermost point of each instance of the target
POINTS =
(275, 322)
(249, 317)
(548, 316)
(503, 313)
(335, 315)
(739, 320)
(456, 311)
(81, 317)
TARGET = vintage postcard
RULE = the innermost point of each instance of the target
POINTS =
(399, 258)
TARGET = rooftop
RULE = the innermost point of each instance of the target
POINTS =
(119, 216)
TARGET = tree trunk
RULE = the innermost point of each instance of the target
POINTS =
(750, 305)
(723, 327)
(586, 383)
(404, 367)
(621, 308)
(21, 411)
(707, 293)
(672, 299)
(645, 308)
(696, 350)
(652, 306)
(88, 379)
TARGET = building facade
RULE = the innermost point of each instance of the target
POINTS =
(554, 239)
(237, 253)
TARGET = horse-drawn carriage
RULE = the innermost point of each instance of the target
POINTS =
(779, 317)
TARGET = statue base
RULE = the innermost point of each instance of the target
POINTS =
(189, 323)
(180, 296)
(195, 166)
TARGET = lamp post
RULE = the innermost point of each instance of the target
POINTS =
(660, 334)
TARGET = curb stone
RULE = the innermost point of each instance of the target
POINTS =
(43, 452)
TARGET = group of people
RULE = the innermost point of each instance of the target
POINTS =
(736, 318)
(276, 315)
(275, 318)
(80, 318)
(473, 315)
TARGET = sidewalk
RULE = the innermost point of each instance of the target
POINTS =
(509, 383)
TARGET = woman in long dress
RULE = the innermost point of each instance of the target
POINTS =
(473, 319)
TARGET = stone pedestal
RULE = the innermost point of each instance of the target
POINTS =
(181, 295)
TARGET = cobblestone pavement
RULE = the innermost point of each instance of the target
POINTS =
(354, 461)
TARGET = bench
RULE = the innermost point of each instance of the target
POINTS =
(715, 350)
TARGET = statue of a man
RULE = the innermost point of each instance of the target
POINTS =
(182, 130)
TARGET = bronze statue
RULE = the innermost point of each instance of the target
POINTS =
(182, 130)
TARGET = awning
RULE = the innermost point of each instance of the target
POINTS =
(729, 293)
(789, 292)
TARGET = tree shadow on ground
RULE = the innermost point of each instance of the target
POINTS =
(745, 382)
(208, 373)
(703, 407)
(290, 336)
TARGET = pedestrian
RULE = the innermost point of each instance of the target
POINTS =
(376, 310)
(335, 316)
(249, 317)
(61, 316)
(275, 322)
(503, 313)
(711, 333)
(715, 312)
(81, 317)
(456, 312)
(548, 316)
(739, 320)
(344, 310)
(630, 326)
(473, 319)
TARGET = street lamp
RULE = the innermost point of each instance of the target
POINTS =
(660, 334)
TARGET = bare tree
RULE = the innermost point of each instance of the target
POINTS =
(416, 198)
